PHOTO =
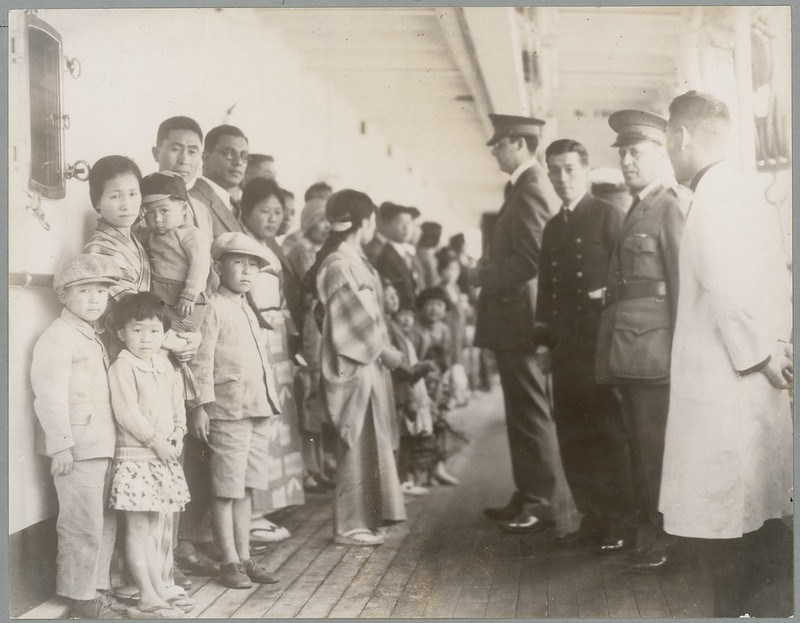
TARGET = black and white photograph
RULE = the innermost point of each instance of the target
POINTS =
(402, 312)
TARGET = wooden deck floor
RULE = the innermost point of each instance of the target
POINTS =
(447, 560)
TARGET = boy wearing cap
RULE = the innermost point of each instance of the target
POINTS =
(237, 398)
(73, 406)
(397, 262)
(178, 250)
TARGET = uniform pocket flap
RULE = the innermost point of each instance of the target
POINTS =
(640, 244)
(640, 321)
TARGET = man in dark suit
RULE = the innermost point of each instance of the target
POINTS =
(507, 275)
(224, 161)
(576, 248)
(397, 262)
(634, 341)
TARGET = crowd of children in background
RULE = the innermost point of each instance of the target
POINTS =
(184, 383)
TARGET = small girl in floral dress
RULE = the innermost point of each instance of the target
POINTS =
(147, 399)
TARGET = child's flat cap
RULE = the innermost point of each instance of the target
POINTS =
(86, 268)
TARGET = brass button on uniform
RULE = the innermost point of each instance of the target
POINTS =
(579, 274)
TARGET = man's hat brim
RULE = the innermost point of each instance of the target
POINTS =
(514, 125)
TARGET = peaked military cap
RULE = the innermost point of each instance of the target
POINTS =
(633, 126)
(513, 125)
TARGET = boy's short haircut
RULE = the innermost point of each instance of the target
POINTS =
(317, 190)
(107, 168)
(287, 194)
(434, 293)
(142, 306)
(177, 123)
(215, 134)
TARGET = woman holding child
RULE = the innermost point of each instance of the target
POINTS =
(355, 353)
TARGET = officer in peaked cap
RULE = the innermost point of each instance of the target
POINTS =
(514, 125)
(506, 275)
(633, 126)
(640, 304)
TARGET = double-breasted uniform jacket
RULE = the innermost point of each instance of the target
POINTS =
(393, 268)
(574, 262)
(510, 265)
(635, 335)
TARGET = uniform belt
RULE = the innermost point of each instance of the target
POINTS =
(634, 290)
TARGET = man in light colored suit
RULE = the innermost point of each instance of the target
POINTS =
(727, 476)
(224, 161)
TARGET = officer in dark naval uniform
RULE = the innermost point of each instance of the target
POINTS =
(641, 296)
(576, 248)
(506, 275)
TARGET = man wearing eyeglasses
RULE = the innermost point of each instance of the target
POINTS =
(224, 161)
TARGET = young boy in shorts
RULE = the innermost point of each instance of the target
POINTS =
(237, 399)
(69, 375)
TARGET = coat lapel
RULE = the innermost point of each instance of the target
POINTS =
(221, 211)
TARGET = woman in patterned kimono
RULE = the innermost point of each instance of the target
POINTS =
(356, 355)
(262, 212)
(116, 196)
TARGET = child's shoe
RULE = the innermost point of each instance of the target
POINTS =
(233, 575)
(258, 573)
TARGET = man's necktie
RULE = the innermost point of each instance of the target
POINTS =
(508, 190)
(565, 214)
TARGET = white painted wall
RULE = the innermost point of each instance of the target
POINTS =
(140, 67)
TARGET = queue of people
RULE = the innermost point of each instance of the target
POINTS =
(211, 367)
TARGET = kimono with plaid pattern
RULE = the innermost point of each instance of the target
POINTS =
(353, 336)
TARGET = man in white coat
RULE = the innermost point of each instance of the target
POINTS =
(727, 474)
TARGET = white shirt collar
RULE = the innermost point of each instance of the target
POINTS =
(648, 189)
(403, 248)
(571, 206)
(521, 169)
(220, 192)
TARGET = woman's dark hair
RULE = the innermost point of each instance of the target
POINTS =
(141, 306)
(107, 168)
(258, 189)
(342, 207)
(444, 257)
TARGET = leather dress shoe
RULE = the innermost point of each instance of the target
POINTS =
(581, 536)
(525, 523)
(501, 513)
(611, 545)
(649, 562)
(194, 565)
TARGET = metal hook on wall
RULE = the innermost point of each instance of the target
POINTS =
(74, 67)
